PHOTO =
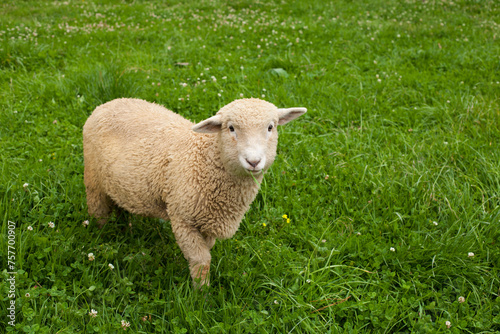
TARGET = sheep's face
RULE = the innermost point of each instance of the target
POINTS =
(247, 133)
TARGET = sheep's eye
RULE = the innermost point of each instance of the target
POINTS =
(270, 128)
(231, 128)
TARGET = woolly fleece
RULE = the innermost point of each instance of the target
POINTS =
(146, 159)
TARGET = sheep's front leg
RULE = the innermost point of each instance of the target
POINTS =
(196, 250)
(210, 241)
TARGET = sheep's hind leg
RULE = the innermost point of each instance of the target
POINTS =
(195, 250)
(99, 205)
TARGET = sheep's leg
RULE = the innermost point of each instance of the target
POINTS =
(196, 251)
(101, 209)
(210, 241)
(99, 205)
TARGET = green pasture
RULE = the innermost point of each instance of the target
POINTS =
(391, 181)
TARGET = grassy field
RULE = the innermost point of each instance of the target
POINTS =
(391, 181)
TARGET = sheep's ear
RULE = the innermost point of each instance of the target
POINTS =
(289, 114)
(210, 125)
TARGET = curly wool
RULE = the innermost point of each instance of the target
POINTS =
(145, 159)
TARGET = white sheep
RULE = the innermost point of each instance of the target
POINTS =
(150, 161)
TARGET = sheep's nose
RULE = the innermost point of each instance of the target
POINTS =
(253, 163)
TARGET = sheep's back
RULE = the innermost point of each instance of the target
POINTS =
(130, 118)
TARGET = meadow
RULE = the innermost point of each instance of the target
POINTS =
(380, 214)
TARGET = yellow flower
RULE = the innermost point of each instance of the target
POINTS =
(285, 216)
(288, 221)
(264, 224)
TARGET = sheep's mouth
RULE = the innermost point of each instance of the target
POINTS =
(254, 171)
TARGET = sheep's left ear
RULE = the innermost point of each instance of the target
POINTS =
(210, 125)
(289, 114)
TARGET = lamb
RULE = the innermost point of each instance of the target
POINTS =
(150, 161)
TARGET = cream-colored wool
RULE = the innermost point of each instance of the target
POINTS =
(152, 162)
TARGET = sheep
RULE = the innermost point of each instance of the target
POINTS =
(150, 161)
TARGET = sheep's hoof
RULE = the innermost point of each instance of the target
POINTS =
(101, 222)
(201, 284)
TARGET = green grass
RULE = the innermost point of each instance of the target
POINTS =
(402, 131)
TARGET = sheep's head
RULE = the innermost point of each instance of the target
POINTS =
(247, 133)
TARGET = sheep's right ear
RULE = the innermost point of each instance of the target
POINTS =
(210, 125)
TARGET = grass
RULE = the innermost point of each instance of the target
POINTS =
(390, 180)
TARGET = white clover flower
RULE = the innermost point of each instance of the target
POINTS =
(30, 228)
(125, 324)
(435, 223)
(93, 313)
(27, 295)
(470, 254)
(461, 299)
(91, 257)
(392, 249)
(448, 324)
(85, 223)
(51, 225)
(111, 266)
(25, 185)
(276, 302)
(241, 95)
